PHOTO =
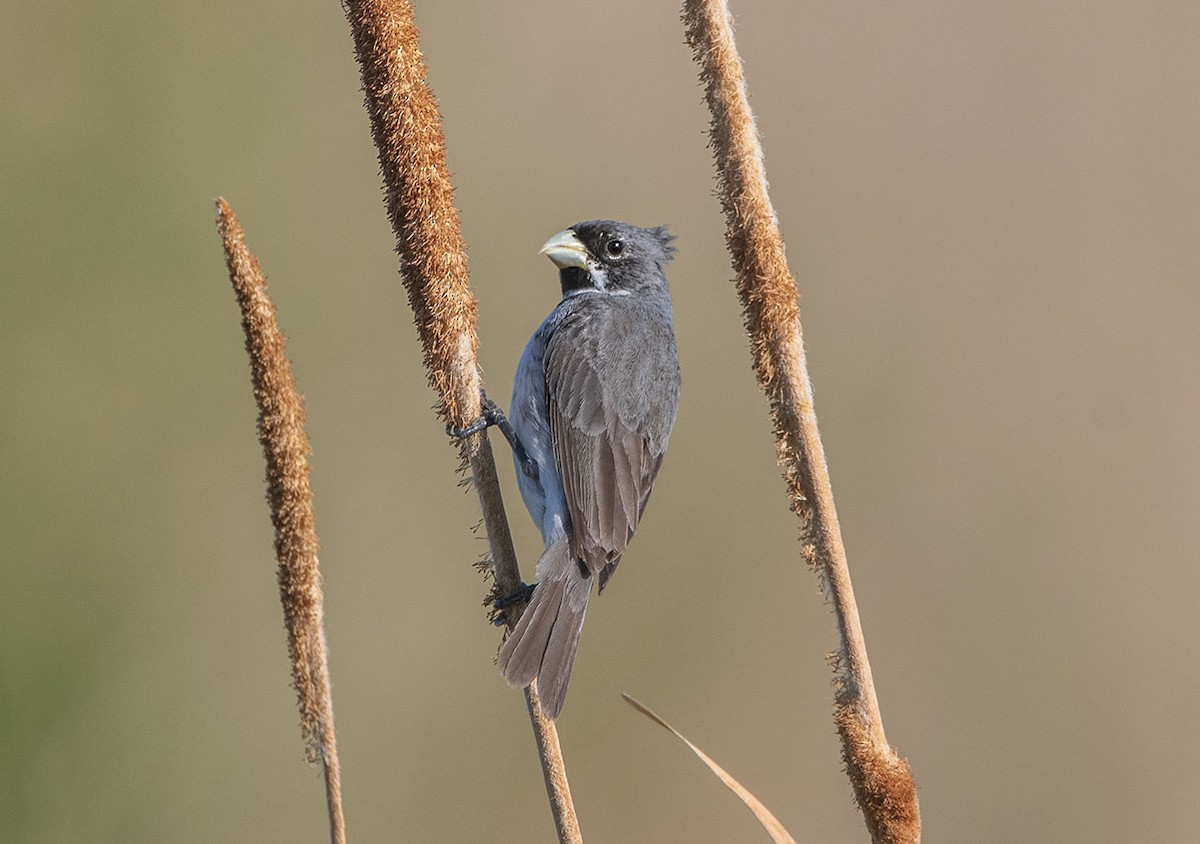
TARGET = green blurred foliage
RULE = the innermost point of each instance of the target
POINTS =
(991, 210)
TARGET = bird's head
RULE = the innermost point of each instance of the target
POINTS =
(611, 257)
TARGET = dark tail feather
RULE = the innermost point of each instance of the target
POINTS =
(544, 642)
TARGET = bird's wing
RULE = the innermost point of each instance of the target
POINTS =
(608, 424)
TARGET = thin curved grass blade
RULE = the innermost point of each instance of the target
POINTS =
(769, 822)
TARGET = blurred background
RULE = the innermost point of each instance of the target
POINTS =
(992, 212)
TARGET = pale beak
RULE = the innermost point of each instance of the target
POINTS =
(566, 250)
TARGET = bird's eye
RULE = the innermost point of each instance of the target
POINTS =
(614, 247)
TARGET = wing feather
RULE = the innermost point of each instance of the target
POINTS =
(608, 430)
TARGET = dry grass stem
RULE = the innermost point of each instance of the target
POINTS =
(769, 822)
(882, 782)
(281, 418)
(407, 129)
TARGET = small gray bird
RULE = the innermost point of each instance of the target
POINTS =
(594, 401)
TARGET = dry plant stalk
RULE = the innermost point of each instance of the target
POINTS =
(281, 418)
(555, 775)
(407, 129)
(883, 784)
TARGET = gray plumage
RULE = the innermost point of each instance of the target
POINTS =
(594, 401)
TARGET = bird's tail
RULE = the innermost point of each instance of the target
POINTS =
(544, 642)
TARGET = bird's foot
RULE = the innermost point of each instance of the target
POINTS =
(521, 596)
(490, 415)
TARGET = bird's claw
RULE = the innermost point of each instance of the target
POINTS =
(521, 596)
(490, 414)
(462, 433)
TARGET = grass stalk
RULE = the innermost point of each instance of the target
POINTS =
(407, 128)
(281, 418)
(882, 781)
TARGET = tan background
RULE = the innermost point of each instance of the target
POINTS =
(992, 211)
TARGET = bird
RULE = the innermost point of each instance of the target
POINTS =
(594, 402)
